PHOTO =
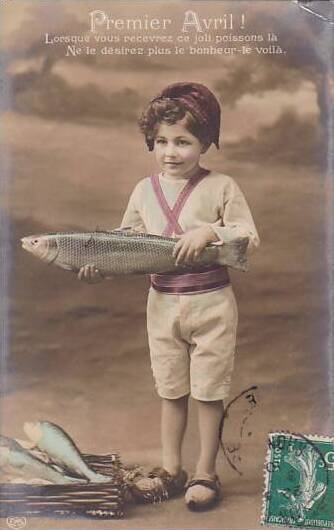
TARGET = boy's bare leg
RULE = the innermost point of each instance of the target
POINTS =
(174, 413)
(209, 417)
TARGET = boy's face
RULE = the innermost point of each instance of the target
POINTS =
(177, 151)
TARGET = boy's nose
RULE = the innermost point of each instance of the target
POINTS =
(170, 149)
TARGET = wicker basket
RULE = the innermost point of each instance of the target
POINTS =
(95, 500)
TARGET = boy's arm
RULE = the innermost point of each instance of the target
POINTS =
(132, 218)
(237, 218)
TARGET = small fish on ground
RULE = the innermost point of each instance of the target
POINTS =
(53, 440)
(15, 460)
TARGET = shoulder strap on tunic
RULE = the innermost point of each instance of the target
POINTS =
(204, 279)
(172, 214)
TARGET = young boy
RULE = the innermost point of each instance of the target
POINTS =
(191, 318)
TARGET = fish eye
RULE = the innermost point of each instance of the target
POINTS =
(35, 241)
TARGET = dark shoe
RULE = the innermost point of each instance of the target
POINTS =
(158, 485)
(211, 484)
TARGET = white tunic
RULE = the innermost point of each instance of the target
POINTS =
(216, 200)
(192, 337)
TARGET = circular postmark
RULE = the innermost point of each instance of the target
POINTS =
(241, 408)
(16, 522)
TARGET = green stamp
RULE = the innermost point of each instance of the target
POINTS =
(299, 481)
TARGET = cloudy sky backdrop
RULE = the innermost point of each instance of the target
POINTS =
(260, 94)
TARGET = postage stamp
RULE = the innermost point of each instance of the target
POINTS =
(299, 481)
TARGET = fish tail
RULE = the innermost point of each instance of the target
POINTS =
(237, 255)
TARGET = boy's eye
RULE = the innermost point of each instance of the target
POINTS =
(177, 142)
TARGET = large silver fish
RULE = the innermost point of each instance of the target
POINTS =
(15, 460)
(54, 441)
(127, 252)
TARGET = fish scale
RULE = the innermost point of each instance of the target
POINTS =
(128, 252)
(120, 252)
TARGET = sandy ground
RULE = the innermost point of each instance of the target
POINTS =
(78, 353)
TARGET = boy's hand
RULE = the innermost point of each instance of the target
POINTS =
(190, 245)
(90, 273)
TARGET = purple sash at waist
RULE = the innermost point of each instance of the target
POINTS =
(205, 279)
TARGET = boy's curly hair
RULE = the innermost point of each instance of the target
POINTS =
(169, 111)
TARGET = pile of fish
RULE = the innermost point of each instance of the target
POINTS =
(50, 457)
(128, 252)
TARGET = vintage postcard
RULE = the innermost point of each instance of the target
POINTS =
(167, 246)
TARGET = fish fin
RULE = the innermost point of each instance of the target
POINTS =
(66, 266)
(121, 228)
(216, 243)
(33, 431)
(26, 444)
(128, 230)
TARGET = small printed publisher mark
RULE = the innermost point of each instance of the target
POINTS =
(16, 522)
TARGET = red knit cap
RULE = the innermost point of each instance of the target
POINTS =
(202, 104)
